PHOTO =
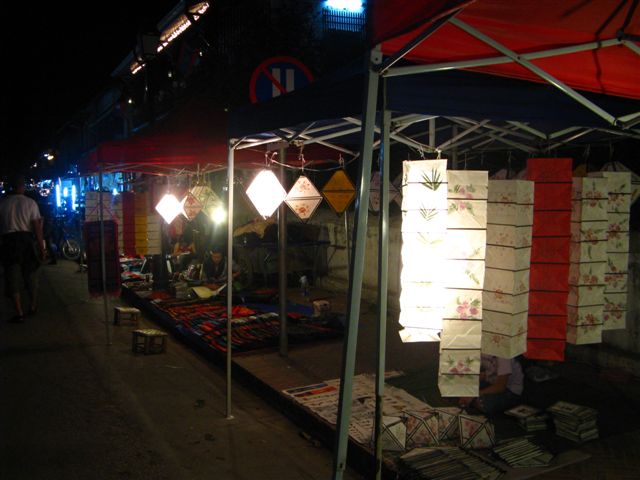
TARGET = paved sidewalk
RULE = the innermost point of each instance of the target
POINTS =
(73, 408)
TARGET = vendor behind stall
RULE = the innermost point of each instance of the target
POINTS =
(215, 268)
(183, 252)
(501, 385)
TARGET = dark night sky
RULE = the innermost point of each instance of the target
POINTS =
(57, 57)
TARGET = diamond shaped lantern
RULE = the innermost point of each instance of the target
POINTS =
(339, 191)
(191, 206)
(303, 198)
(266, 193)
(374, 192)
(207, 199)
(169, 207)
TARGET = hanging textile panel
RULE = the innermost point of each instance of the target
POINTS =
(128, 225)
(505, 299)
(94, 247)
(617, 268)
(460, 344)
(549, 275)
(111, 210)
(588, 261)
(424, 250)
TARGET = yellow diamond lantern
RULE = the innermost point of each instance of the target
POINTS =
(303, 198)
(339, 191)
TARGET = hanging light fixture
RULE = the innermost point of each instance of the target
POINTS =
(169, 207)
(266, 193)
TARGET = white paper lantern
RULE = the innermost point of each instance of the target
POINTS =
(266, 193)
(506, 288)
(303, 198)
(169, 207)
(424, 226)
(461, 336)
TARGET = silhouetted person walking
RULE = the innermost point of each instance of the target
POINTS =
(20, 227)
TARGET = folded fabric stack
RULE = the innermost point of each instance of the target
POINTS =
(575, 422)
(520, 453)
(529, 418)
(447, 463)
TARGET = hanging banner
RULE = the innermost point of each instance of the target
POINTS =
(94, 258)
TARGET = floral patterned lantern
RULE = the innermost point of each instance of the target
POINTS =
(465, 251)
(303, 198)
(585, 311)
(191, 206)
(506, 289)
(617, 251)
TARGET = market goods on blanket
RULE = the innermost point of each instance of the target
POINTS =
(448, 428)
(394, 434)
(521, 452)
(440, 463)
(575, 422)
(322, 399)
(476, 431)
(422, 428)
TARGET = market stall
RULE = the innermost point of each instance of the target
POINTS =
(598, 96)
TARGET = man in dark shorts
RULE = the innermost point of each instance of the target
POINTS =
(20, 227)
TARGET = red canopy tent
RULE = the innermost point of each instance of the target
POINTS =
(191, 137)
(599, 38)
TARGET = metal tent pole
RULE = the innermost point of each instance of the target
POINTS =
(230, 176)
(103, 262)
(357, 268)
(535, 69)
(282, 261)
(383, 271)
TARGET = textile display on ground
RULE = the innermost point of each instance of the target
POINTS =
(254, 326)
(411, 428)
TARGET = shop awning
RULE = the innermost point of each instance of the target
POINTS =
(192, 136)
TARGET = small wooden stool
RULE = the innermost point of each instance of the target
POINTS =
(149, 340)
(125, 313)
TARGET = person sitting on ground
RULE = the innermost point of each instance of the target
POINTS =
(183, 252)
(20, 226)
(215, 268)
(501, 385)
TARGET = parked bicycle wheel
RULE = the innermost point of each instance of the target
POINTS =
(71, 249)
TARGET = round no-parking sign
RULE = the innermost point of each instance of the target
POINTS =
(277, 76)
